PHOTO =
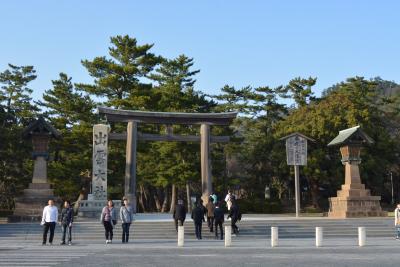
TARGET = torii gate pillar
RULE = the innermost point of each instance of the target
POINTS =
(130, 167)
(206, 182)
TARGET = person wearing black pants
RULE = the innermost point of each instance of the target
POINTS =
(179, 214)
(126, 216)
(219, 220)
(67, 217)
(49, 219)
(108, 231)
(198, 218)
(234, 215)
(47, 226)
(210, 214)
(109, 219)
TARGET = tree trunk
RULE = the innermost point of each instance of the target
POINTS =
(146, 199)
(156, 198)
(173, 199)
(141, 199)
(165, 202)
(189, 200)
(314, 193)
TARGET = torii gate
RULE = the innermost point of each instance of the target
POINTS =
(132, 136)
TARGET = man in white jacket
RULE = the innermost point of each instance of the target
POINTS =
(397, 220)
(49, 220)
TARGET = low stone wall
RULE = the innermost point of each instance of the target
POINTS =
(93, 208)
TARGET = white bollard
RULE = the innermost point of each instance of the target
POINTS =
(361, 236)
(228, 235)
(318, 236)
(181, 236)
(274, 236)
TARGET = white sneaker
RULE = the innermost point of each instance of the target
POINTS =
(110, 242)
(106, 241)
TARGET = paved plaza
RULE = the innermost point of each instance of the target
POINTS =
(154, 244)
(298, 252)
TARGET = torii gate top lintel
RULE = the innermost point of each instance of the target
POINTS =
(121, 115)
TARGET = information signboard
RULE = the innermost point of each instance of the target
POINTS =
(296, 150)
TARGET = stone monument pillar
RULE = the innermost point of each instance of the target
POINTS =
(100, 156)
(98, 197)
(29, 206)
(353, 200)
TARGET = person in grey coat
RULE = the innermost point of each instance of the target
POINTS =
(397, 220)
(126, 216)
(109, 219)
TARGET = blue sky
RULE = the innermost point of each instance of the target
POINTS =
(232, 42)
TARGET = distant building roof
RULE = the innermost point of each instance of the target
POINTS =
(351, 136)
(41, 126)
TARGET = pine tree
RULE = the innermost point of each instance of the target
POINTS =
(71, 112)
(120, 80)
(16, 111)
(15, 95)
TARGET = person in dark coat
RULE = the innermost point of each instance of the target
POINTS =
(219, 220)
(179, 214)
(234, 215)
(210, 214)
(198, 218)
(67, 217)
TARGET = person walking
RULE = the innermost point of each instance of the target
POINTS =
(126, 216)
(214, 198)
(179, 214)
(198, 218)
(228, 199)
(397, 221)
(210, 214)
(49, 220)
(219, 220)
(234, 214)
(67, 217)
(109, 219)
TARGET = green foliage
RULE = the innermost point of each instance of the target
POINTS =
(354, 102)
(15, 94)
(258, 205)
(120, 79)
(71, 113)
(16, 110)
(132, 77)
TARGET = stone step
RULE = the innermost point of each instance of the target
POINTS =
(39, 186)
(92, 230)
(38, 192)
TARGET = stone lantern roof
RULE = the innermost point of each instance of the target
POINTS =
(40, 126)
(351, 136)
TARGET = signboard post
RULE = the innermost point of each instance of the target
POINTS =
(296, 154)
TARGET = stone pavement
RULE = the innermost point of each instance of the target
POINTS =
(298, 252)
(154, 244)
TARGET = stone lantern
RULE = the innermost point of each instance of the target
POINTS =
(29, 206)
(353, 200)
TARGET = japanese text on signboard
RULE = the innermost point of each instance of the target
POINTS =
(296, 150)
